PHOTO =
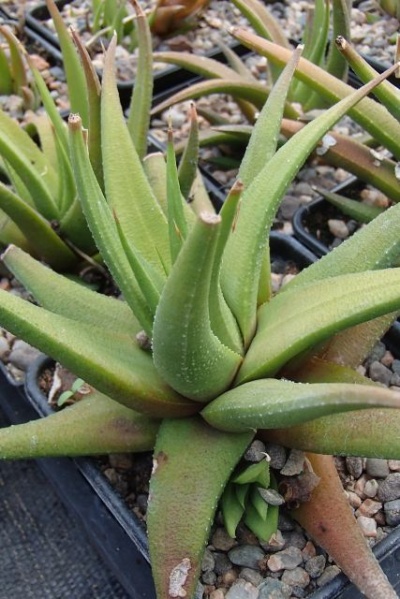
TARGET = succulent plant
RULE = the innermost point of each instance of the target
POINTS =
(313, 80)
(201, 355)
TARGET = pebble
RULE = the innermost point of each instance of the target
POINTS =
(209, 578)
(394, 465)
(392, 512)
(251, 576)
(256, 452)
(297, 577)
(380, 373)
(242, 590)
(354, 466)
(229, 577)
(328, 574)
(208, 562)
(295, 538)
(274, 589)
(368, 526)
(275, 543)
(22, 354)
(369, 508)
(222, 564)
(287, 559)
(271, 496)
(315, 566)
(390, 488)
(277, 453)
(294, 464)
(217, 594)
(4, 348)
(221, 541)
(308, 551)
(354, 499)
(338, 228)
(377, 468)
(371, 488)
(246, 555)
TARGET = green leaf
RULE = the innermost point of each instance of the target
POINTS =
(190, 156)
(77, 90)
(362, 213)
(42, 237)
(255, 473)
(298, 319)
(103, 227)
(113, 363)
(65, 297)
(369, 114)
(187, 353)
(246, 246)
(127, 190)
(387, 93)
(372, 433)
(192, 463)
(113, 429)
(232, 509)
(336, 64)
(272, 403)
(139, 109)
(176, 215)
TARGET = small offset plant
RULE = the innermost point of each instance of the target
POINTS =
(14, 77)
(201, 357)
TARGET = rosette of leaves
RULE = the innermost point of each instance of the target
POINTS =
(201, 357)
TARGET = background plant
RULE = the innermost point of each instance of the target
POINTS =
(224, 352)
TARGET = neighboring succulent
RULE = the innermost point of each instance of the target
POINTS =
(313, 81)
(201, 355)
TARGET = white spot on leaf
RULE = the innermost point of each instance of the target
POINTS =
(178, 577)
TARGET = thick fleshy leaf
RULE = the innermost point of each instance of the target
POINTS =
(353, 156)
(77, 91)
(298, 319)
(246, 246)
(192, 463)
(253, 91)
(140, 104)
(355, 209)
(370, 433)
(272, 403)
(387, 93)
(345, 543)
(262, 21)
(65, 297)
(103, 226)
(113, 364)
(94, 425)
(232, 509)
(369, 114)
(42, 237)
(190, 157)
(177, 225)
(187, 353)
(127, 189)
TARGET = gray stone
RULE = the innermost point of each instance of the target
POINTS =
(297, 577)
(315, 565)
(271, 496)
(221, 540)
(395, 380)
(256, 452)
(377, 353)
(275, 543)
(338, 228)
(251, 576)
(287, 559)
(199, 593)
(22, 354)
(371, 488)
(328, 574)
(274, 589)
(396, 366)
(354, 466)
(285, 522)
(288, 206)
(392, 512)
(294, 464)
(4, 348)
(377, 468)
(294, 538)
(208, 562)
(277, 453)
(380, 373)
(390, 488)
(222, 563)
(242, 590)
(209, 578)
(248, 556)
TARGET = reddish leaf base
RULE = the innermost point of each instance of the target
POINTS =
(328, 518)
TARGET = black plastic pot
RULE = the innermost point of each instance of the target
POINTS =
(113, 529)
(310, 221)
